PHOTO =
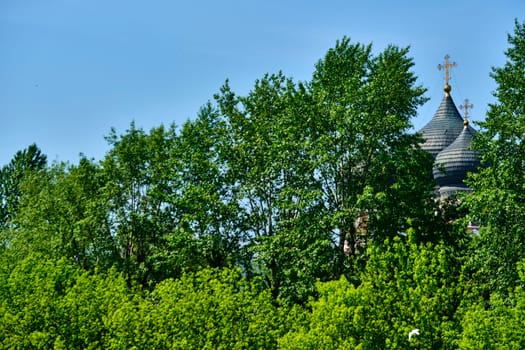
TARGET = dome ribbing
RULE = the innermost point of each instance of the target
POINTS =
(443, 128)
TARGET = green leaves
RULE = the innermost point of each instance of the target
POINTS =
(137, 173)
(12, 175)
(46, 304)
(498, 201)
(213, 310)
(362, 107)
(233, 231)
(266, 154)
(407, 286)
(498, 326)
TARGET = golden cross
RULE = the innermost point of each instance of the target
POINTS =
(447, 67)
(466, 107)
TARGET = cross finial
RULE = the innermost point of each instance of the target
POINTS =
(466, 106)
(447, 67)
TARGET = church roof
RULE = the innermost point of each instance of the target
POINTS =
(454, 162)
(443, 128)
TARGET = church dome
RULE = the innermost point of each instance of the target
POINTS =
(454, 162)
(443, 128)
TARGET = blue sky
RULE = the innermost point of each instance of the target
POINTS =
(71, 69)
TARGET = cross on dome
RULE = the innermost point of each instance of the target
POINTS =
(447, 67)
(466, 106)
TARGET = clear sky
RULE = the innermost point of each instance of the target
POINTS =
(72, 69)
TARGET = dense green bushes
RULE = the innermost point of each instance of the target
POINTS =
(55, 304)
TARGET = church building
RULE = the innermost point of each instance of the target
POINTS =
(447, 137)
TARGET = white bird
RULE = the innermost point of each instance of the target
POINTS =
(412, 333)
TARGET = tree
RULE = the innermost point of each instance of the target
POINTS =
(368, 167)
(170, 203)
(140, 179)
(266, 153)
(310, 159)
(205, 215)
(11, 176)
(206, 204)
(63, 213)
(497, 202)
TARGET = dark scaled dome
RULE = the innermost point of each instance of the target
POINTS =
(443, 128)
(454, 162)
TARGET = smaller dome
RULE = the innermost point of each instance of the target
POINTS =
(454, 162)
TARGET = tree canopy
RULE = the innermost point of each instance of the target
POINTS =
(300, 215)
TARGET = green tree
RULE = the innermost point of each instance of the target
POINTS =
(170, 204)
(372, 173)
(206, 205)
(266, 154)
(311, 159)
(63, 214)
(11, 176)
(497, 202)
(205, 215)
(140, 179)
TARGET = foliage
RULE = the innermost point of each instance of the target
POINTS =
(498, 326)
(372, 173)
(206, 205)
(62, 214)
(497, 203)
(208, 310)
(11, 176)
(48, 304)
(274, 185)
(166, 193)
(408, 286)
(297, 216)
(310, 159)
(137, 188)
